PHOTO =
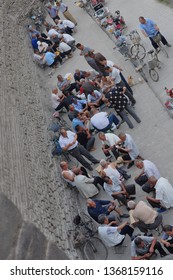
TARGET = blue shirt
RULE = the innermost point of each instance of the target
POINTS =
(49, 57)
(76, 122)
(53, 12)
(148, 27)
(34, 43)
(101, 208)
(78, 107)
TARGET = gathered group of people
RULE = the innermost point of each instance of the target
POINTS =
(85, 100)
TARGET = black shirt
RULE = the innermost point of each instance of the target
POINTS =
(117, 98)
(82, 138)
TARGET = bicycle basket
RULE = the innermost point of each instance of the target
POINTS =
(136, 39)
(152, 64)
(157, 38)
(123, 49)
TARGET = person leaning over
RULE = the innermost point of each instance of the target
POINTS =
(167, 238)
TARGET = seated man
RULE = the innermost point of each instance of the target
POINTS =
(65, 26)
(129, 147)
(64, 49)
(115, 188)
(167, 238)
(72, 112)
(39, 58)
(69, 40)
(68, 142)
(143, 247)
(84, 184)
(149, 170)
(109, 142)
(90, 75)
(67, 174)
(78, 75)
(102, 122)
(163, 194)
(52, 59)
(80, 105)
(143, 216)
(95, 98)
(56, 98)
(65, 85)
(96, 207)
(113, 236)
(111, 169)
(85, 138)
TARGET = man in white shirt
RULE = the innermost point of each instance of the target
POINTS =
(56, 98)
(102, 122)
(163, 194)
(149, 170)
(68, 142)
(129, 147)
(68, 39)
(115, 188)
(109, 141)
(53, 32)
(65, 11)
(65, 26)
(112, 235)
(65, 49)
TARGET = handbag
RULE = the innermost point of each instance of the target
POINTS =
(157, 38)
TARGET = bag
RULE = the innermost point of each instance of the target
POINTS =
(157, 38)
(130, 189)
(57, 150)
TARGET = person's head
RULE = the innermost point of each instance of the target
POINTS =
(78, 128)
(139, 242)
(48, 5)
(131, 204)
(142, 20)
(77, 71)
(102, 219)
(58, 3)
(152, 180)
(91, 203)
(122, 136)
(168, 229)
(31, 28)
(102, 136)
(64, 165)
(139, 163)
(108, 69)
(79, 46)
(71, 108)
(63, 132)
(108, 180)
(103, 163)
(76, 115)
(55, 90)
(60, 78)
(94, 111)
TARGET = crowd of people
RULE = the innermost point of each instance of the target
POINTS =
(85, 101)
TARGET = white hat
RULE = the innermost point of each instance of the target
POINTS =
(38, 43)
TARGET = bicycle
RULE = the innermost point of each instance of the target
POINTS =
(153, 62)
(92, 247)
(157, 40)
(137, 50)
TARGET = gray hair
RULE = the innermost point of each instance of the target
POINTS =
(101, 218)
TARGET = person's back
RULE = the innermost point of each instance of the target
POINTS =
(144, 213)
(164, 192)
(130, 144)
(110, 171)
(100, 120)
(110, 235)
(151, 169)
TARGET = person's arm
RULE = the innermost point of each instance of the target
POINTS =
(144, 33)
(152, 245)
(142, 257)
(120, 227)
(156, 27)
(164, 242)
(140, 174)
(152, 199)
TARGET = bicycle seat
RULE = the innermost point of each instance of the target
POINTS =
(150, 52)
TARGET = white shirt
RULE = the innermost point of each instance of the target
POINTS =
(150, 169)
(38, 58)
(62, 8)
(68, 23)
(67, 37)
(100, 120)
(130, 144)
(110, 64)
(115, 75)
(112, 172)
(64, 141)
(55, 101)
(42, 46)
(111, 139)
(63, 47)
(115, 187)
(72, 183)
(53, 32)
(164, 192)
(110, 235)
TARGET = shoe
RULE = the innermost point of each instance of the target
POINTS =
(127, 177)
(95, 162)
(161, 210)
(113, 126)
(119, 124)
(132, 198)
(90, 168)
(124, 216)
(162, 256)
(169, 45)
(130, 164)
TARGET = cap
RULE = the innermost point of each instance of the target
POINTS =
(131, 204)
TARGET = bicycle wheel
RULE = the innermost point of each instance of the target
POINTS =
(154, 75)
(138, 51)
(164, 51)
(94, 249)
(143, 75)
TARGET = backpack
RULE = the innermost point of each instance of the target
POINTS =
(57, 150)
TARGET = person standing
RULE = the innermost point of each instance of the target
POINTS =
(150, 29)
(65, 11)
(52, 11)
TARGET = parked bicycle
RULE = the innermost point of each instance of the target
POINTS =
(84, 238)
(137, 49)
(157, 39)
(153, 63)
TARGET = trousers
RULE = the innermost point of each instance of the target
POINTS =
(124, 116)
(78, 153)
